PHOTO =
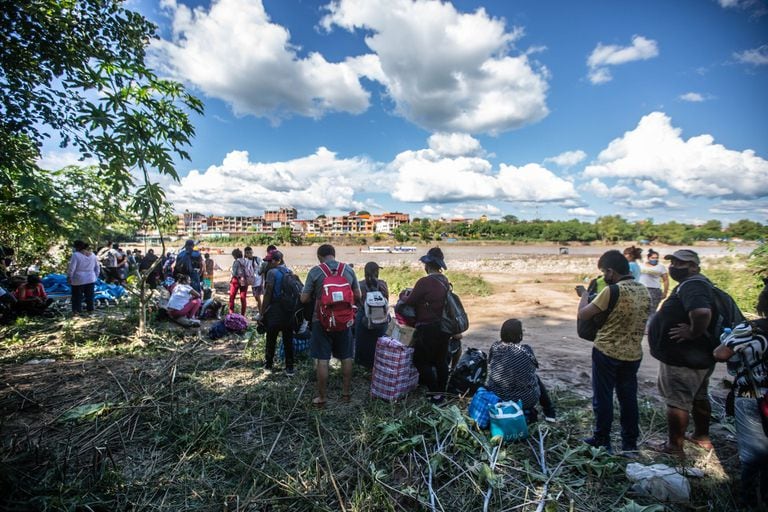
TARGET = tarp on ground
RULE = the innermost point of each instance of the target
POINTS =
(56, 286)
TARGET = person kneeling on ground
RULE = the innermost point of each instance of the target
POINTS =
(184, 301)
(31, 297)
(512, 373)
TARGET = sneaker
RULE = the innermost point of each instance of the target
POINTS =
(596, 442)
(289, 372)
(550, 419)
(437, 399)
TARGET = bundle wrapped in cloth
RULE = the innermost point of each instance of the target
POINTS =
(394, 375)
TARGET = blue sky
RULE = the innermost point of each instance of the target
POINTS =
(532, 108)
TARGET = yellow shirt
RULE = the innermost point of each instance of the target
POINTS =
(621, 334)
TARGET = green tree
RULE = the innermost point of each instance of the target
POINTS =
(614, 228)
(747, 229)
(75, 70)
(674, 233)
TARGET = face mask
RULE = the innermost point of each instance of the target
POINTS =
(678, 274)
(653, 262)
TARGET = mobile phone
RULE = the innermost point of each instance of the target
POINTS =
(580, 290)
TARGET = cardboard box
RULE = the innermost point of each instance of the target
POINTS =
(400, 332)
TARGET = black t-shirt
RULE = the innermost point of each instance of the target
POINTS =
(692, 294)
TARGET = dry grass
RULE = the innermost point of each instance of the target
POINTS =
(179, 422)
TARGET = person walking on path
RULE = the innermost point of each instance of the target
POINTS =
(617, 351)
(82, 272)
(324, 343)
(679, 338)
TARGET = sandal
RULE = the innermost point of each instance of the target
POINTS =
(701, 443)
(318, 402)
(666, 449)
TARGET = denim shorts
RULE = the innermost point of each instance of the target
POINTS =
(324, 344)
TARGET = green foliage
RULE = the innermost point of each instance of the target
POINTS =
(76, 72)
(758, 261)
(743, 286)
(402, 277)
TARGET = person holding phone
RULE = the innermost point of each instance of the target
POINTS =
(616, 353)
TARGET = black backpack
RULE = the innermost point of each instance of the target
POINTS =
(470, 372)
(587, 329)
(726, 314)
(287, 290)
(454, 319)
(183, 263)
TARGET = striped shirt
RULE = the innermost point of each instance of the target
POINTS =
(749, 344)
(512, 373)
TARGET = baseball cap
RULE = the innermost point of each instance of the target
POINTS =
(684, 255)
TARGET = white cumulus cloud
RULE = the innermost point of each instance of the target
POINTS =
(454, 144)
(601, 189)
(697, 166)
(567, 159)
(233, 51)
(755, 56)
(693, 97)
(582, 212)
(758, 7)
(445, 70)
(742, 207)
(429, 176)
(612, 55)
(238, 186)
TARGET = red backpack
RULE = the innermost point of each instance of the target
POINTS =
(336, 307)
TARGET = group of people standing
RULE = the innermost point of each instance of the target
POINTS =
(684, 337)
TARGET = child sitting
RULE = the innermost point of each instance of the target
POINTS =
(31, 296)
(512, 373)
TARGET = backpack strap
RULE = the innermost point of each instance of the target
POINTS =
(613, 297)
(325, 269)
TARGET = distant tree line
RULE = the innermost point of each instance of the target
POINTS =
(610, 228)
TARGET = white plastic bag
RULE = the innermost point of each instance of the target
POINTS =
(660, 481)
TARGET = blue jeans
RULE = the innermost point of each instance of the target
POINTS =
(80, 290)
(609, 374)
(753, 451)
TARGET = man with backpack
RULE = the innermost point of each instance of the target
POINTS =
(282, 290)
(189, 263)
(617, 350)
(334, 288)
(682, 337)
